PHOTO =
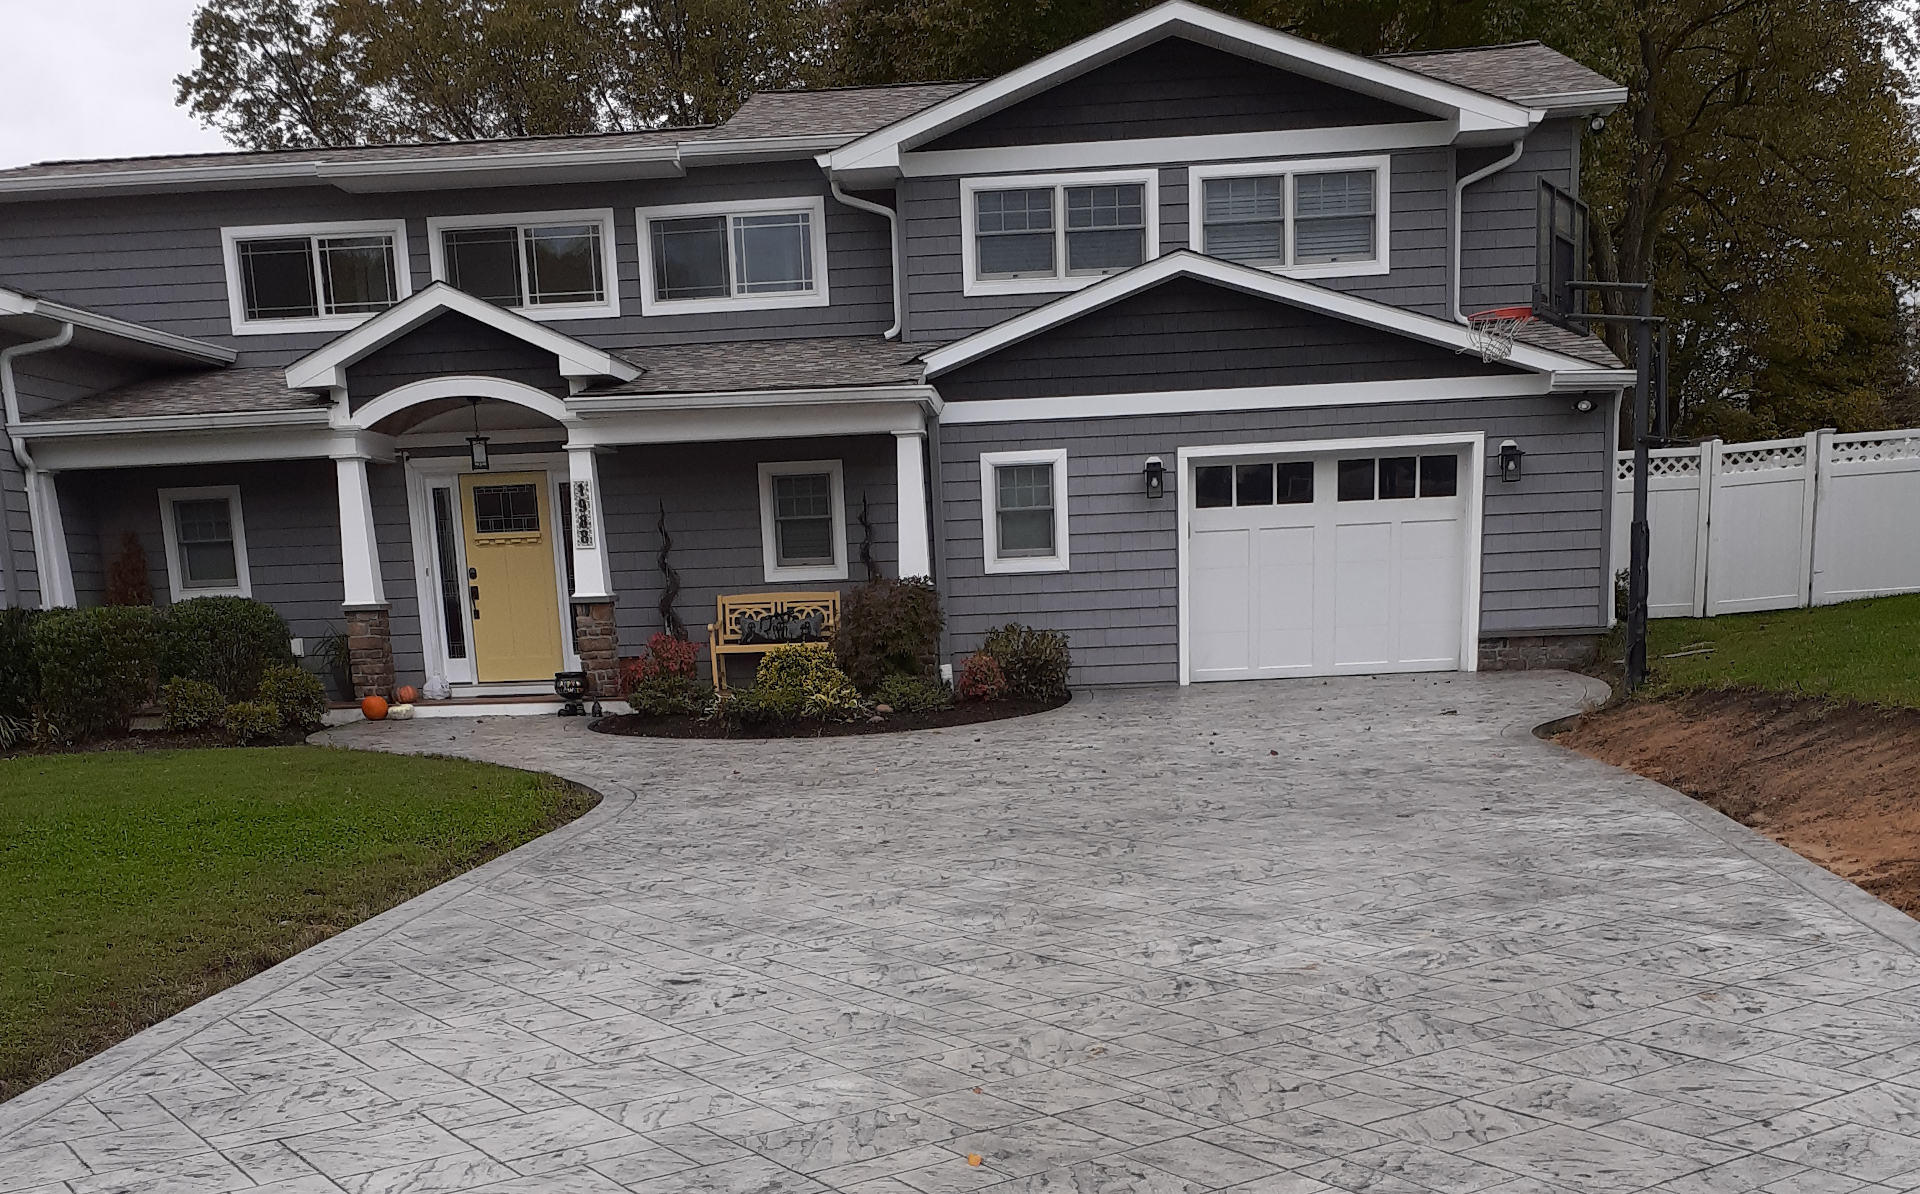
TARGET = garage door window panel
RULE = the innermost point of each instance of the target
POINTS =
(1356, 480)
(1398, 477)
(1253, 485)
(1439, 476)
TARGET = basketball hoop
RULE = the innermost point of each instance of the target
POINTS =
(1493, 330)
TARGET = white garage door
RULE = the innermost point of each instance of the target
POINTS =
(1314, 565)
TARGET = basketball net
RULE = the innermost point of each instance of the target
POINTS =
(1493, 331)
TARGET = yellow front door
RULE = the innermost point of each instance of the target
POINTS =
(511, 586)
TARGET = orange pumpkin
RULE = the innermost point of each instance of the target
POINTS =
(407, 694)
(374, 708)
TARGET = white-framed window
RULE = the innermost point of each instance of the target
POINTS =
(803, 520)
(285, 278)
(1047, 232)
(1325, 218)
(1023, 504)
(545, 265)
(206, 542)
(745, 255)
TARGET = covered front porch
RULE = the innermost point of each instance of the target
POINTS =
(472, 502)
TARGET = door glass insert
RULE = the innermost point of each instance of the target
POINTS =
(1294, 481)
(452, 584)
(1356, 480)
(1439, 476)
(506, 509)
(1253, 485)
(1397, 476)
(1213, 486)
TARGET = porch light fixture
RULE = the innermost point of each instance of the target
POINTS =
(477, 443)
(1510, 457)
(1583, 406)
(1156, 477)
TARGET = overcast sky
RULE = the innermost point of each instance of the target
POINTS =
(94, 79)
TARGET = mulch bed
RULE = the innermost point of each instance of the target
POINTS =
(640, 725)
(1836, 782)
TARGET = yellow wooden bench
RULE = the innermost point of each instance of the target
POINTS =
(755, 623)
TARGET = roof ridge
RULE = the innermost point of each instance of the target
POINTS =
(322, 149)
(867, 87)
(1499, 45)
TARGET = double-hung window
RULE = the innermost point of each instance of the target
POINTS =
(1307, 219)
(1023, 502)
(322, 277)
(1055, 232)
(550, 265)
(752, 254)
(206, 542)
(803, 522)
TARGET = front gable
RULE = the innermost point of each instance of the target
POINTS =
(452, 343)
(1192, 334)
(1175, 87)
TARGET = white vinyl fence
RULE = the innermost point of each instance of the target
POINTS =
(1776, 524)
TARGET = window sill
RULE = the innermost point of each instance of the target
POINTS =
(559, 313)
(294, 327)
(1024, 564)
(751, 302)
(1334, 269)
(183, 593)
(982, 287)
(808, 572)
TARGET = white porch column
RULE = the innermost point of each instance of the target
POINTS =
(49, 541)
(910, 500)
(359, 550)
(592, 574)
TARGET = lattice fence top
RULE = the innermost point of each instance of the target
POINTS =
(1687, 465)
(1895, 445)
(1759, 460)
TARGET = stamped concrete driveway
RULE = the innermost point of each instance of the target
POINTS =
(1366, 935)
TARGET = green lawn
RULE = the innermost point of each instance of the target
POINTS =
(1863, 651)
(136, 883)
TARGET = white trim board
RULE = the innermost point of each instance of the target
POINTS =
(1474, 111)
(1188, 264)
(327, 367)
(1147, 179)
(607, 308)
(1205, 147)
(814, 205)
(1184, 402)
(1474, 441)
(230, 238)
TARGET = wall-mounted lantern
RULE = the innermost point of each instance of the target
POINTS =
(1156, 474)
(1510, 458)
(477, 443)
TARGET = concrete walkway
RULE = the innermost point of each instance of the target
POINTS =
(1365, 935)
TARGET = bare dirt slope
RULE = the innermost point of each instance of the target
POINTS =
(1837, 783)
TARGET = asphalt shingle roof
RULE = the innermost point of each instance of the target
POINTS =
(1592, 349)
(748, 365)
(1519, 72)
(208, 392)
(855, 111)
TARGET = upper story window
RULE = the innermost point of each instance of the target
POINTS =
(1056, 232)
(545, 265)
(1306, 219)
(313, 277)
(747, 255)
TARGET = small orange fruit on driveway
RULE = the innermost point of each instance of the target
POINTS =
(974, 1158)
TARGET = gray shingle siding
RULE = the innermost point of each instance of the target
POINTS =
(1499, 216)
(712, 497)
(288, 510)
(1174, 88)
(392, 533)
(1419, 243)
(1189, 334)
(16, 525)
(156, 259)
(1544, 546)
(452, 343)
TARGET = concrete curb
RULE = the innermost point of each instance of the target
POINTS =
(30, 1105)
(1859, 905)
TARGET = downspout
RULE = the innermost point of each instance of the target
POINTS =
(893, 245)
(1459, 233)
(10, 396)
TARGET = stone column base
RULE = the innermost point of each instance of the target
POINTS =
(1533, 652)
(597, 641)
(370, 652)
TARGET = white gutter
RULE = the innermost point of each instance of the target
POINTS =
(10, 404)
(893, 247)
(588, 407)
(1459, 233)
(162, 424)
